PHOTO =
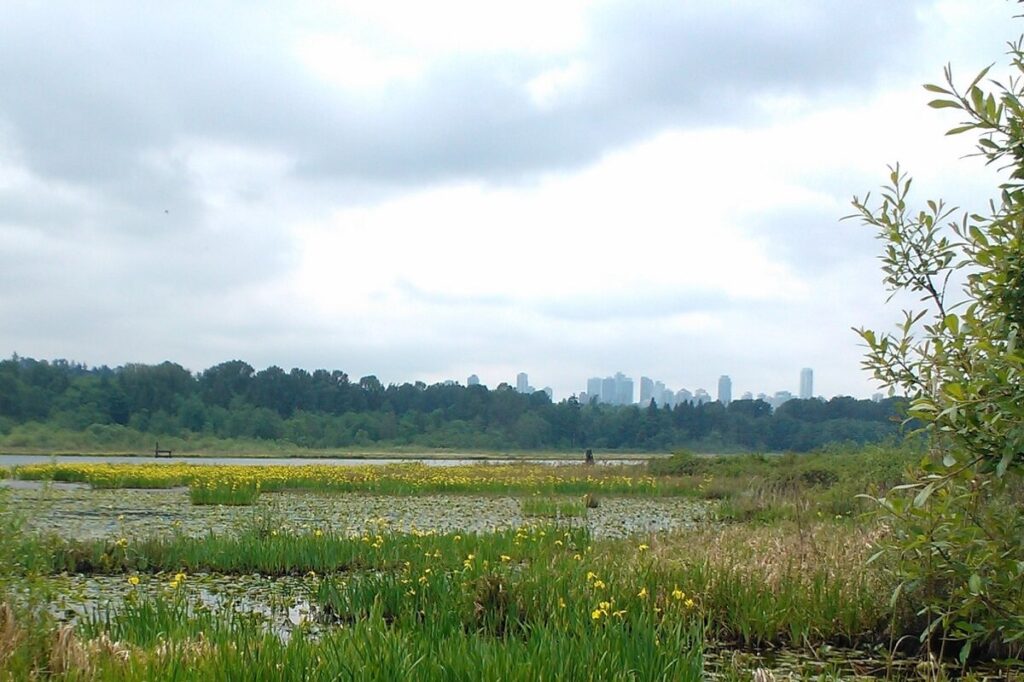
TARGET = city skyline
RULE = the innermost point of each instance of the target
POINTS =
(618, 389)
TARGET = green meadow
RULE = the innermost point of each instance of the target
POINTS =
(690, 567)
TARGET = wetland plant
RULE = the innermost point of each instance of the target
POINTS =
(237, 491)
(553, 508)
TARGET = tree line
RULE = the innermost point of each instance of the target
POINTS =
(326, 409)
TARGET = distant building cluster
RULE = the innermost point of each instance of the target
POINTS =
(614, 390)
(619, 390)
(656, 391)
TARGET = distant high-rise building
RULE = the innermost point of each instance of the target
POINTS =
(724, 389)
(522, 383)
(547, 389)
(608, 390)
(623, 389)
(646, 391)
(806, 383)
(473, 380)
(683, 396)
(877, 397)
(700, 396)
(593, 389)
(583, 398)
(747, 395)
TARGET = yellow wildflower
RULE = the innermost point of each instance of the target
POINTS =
(133, 580)
(642, 593)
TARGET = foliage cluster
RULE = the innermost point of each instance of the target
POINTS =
(959, 531)
(129, 407)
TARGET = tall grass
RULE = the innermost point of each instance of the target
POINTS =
(124, 647)
(753, 586)
(235, 491)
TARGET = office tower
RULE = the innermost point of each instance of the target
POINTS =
(646, 391)
(623, 389)
(473, 380)
(683, 396)
(547, 389)
(608, 390)
(877, 397)
(747, 395)
(700, 396)
(724, 389)
(806, 383)
(593, 389)
(522, 383)
(583, 398)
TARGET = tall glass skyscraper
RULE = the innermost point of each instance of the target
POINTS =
(806, 383)
(724, 389)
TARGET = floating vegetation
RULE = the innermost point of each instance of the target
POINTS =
(95, 514)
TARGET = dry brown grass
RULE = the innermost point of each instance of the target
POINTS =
(10, 633)
(771, 554)
(67, 653)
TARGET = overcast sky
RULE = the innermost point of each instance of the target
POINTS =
(427, 190)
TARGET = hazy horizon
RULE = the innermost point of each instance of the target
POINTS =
(428, 191)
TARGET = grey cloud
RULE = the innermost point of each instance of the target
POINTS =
(811, 241)
(89, 94)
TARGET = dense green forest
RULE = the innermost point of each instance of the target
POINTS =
(324, 409)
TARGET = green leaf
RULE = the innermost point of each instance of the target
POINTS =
(935, 88)
(965, 652)
(981, 74)
(960, 129)
(954, 391)
(923, 496)
(974, 583)
(944, 104)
